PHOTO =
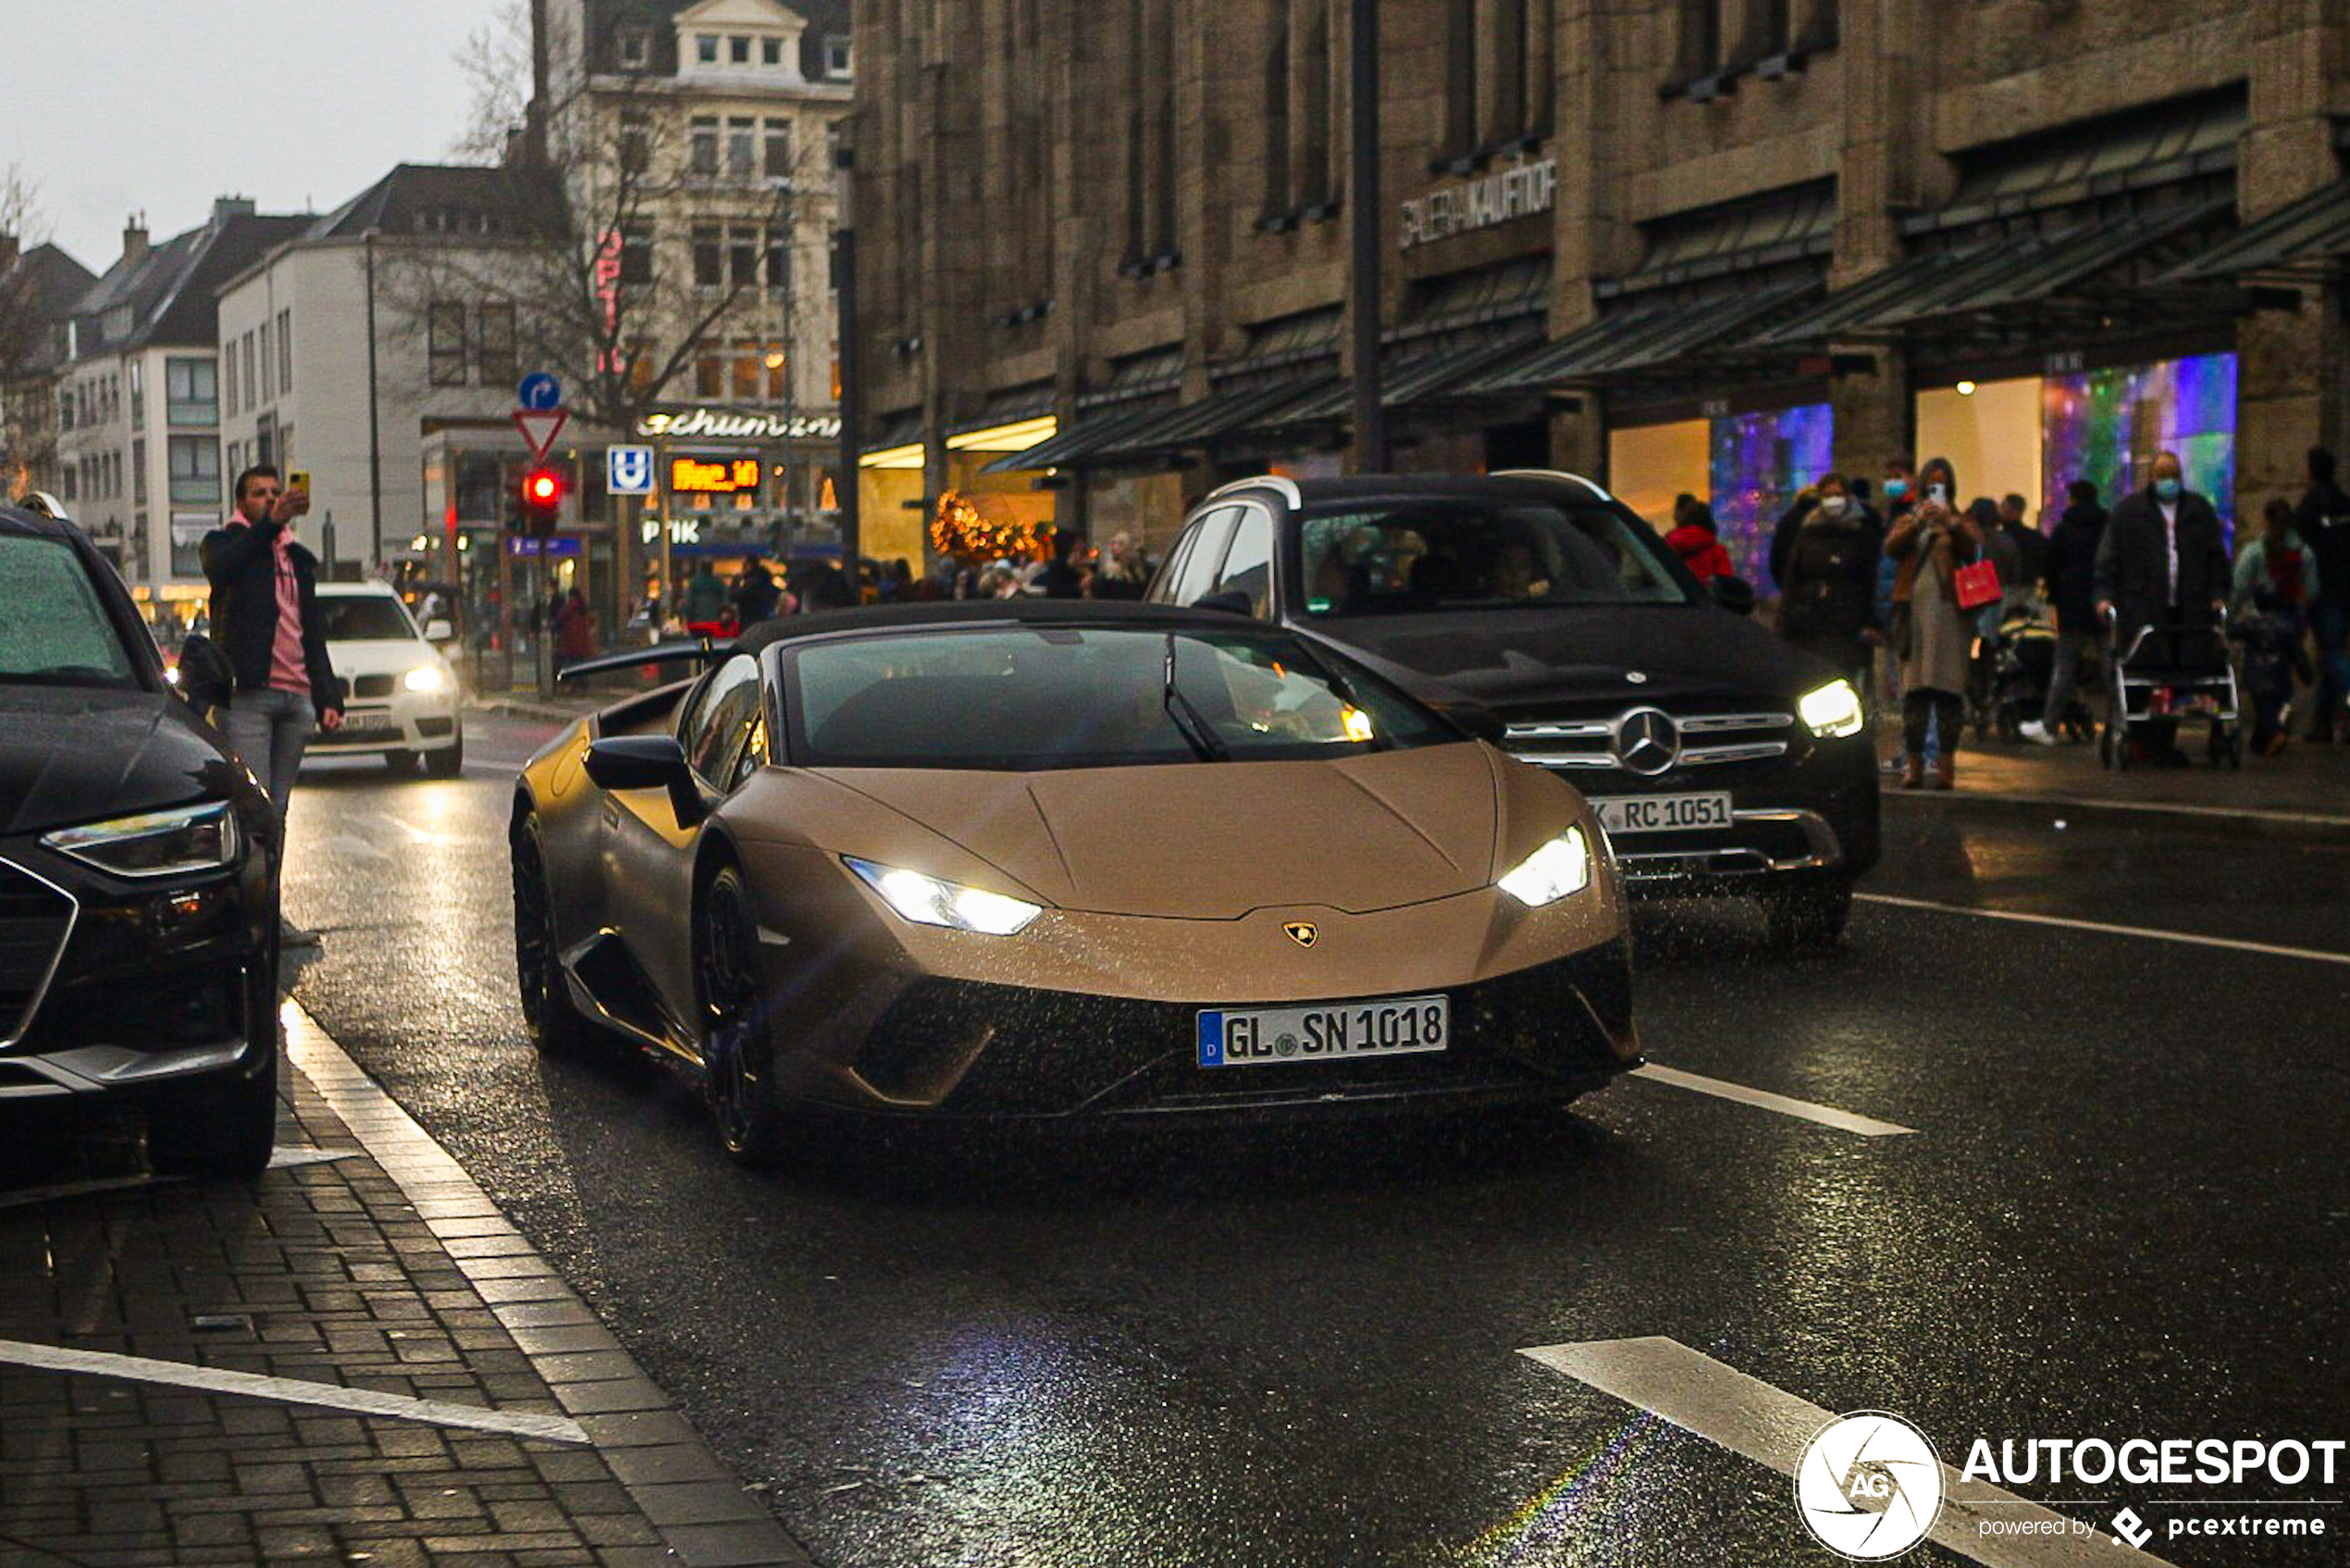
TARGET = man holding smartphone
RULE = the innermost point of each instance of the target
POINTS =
(265, 618)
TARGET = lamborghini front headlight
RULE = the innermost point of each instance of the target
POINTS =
(932, 902)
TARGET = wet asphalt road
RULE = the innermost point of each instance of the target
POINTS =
(2123, 1212)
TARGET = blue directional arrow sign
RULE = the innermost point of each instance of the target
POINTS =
(540, 392)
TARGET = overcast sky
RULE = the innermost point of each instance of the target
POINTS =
(116, 107)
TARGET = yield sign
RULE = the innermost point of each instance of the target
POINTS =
(539, 427)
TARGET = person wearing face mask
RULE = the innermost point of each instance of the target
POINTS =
(1932, 635)
(2162, 561)
(1827, 583)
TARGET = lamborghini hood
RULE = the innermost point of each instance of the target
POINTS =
(1217, 841)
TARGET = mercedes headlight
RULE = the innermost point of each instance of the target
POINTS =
(929, 902)
(426, 678)
(1558, 868)
(1832, 709)
(158, 843)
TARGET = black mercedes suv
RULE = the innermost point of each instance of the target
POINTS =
(1540, 608)
(138, 901)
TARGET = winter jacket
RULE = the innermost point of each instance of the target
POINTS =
(2290, 578)
(1701, 551)
(2071, 566)
(2323, 519)
(240, 562)
(2133, 563)
(1828, 587)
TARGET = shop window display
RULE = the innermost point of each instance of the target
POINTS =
(1759, 462)
(2109, 425)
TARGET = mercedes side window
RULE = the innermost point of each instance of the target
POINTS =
(1248, 563)
(722, 720)
(1195, 577)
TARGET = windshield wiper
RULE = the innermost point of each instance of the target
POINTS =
(1187, 717)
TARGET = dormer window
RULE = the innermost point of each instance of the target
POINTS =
(706, 48)
(770, 51)
(837, 61)
(740, 53)
(636, 48)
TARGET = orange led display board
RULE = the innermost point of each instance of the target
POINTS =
(709, 476)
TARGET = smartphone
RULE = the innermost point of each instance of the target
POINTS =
(299, 480)
(1937, 493)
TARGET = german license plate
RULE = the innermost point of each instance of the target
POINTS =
(1661, 813)
(361, 723)
(1399, 1027)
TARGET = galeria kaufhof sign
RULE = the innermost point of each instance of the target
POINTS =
(737, 425)
(1520, 190)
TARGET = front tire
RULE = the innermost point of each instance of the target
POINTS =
(556, 1026)
(447, 762)
(401, 763)
(737, 1055)
(1809, 917)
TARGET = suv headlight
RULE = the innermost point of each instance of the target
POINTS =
(929, 902)
(425, 678)
(1832, 709)
(158, 843)
(1558, 868)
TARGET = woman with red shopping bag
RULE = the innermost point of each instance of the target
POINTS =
(1933, 630)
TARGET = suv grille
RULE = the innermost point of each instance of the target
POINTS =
(34, 921)
(371, 685)
(1648, 742)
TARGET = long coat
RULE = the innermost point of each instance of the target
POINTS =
(2133, 562)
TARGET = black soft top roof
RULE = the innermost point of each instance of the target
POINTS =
(983, 611)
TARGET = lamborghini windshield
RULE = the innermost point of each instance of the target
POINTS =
(1455, 555)
(1037, 697)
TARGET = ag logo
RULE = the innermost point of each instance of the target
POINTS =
(1869, 1486)
(1303, 933)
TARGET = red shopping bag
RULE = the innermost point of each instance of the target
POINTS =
(1978, 584)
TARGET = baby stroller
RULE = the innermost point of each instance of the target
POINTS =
(2026, 666)
(2170, 673)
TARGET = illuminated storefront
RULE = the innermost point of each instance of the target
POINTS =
(2034, 435)
(1747, 465)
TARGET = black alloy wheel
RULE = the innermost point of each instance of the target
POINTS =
(556, 1026)
(737, 1059)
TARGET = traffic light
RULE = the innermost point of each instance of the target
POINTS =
(541, 502)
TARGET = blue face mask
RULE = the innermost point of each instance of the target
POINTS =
(1896, 489)
(2167, 489)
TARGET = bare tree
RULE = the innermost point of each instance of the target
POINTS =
(589, 256)
(28, 423)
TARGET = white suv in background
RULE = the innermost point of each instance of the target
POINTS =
(400, 694)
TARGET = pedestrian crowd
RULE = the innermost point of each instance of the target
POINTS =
(1947, 611)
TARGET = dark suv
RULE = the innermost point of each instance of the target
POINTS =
(1539, 607)
(137, 900)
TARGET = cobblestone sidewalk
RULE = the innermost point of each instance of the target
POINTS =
(280, 1320)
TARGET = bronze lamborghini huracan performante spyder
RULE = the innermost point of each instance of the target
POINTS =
(1056, 860)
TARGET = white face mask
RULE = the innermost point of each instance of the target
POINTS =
(1834, 506)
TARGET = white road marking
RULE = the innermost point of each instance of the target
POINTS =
(417, 835)
(1826, 1116)
(1770, 1427)
(2269, 950)
(293, 1390)
(351, 846)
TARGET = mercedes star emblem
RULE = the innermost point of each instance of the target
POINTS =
(1647, 741)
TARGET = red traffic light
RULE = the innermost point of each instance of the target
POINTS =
(544, 488)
